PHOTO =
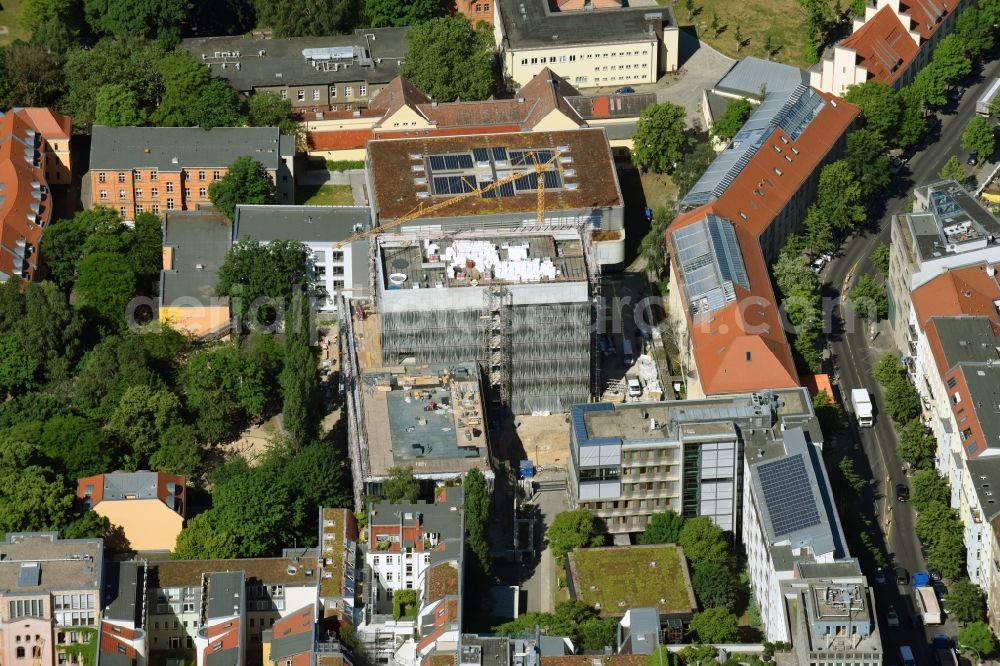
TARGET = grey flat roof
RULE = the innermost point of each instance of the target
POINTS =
(176, 148)
(749, 76)
(143, 485)
(530, 23)
(288, 646)
(966, 339)
(440, 517)
(57, 564)
(954, 221)
(843, 569)
(486, 650)
(225, 591)
(307, 224)
(983, 381)
(200, 241)
(125, 581)
(371, 55)
(616, 106)
(984, 474)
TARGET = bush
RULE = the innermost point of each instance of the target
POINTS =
(344, 165)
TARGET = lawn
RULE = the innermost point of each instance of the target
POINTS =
(784, 20)
(10, 18)
(324, 195)
(632, 577)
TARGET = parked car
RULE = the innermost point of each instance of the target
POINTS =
(902, 492)
(973, 159)
(818, 264)
(902, 576)
(892, 617)
(625, 90)
(880, 576)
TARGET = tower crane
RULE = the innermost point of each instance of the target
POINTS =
(421, 211)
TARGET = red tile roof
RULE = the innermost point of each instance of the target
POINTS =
(339, 139)
(883, 45)
(395, 95)
(926, 16)
(299, 622)
(963, 291)
(97, 483)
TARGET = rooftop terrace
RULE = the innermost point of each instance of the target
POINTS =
(948, 220)
(428, 417)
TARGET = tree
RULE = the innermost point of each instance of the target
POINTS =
(202, 540)
(839, 196)
(714, 625)
(145, 246)
(266, 109)
(879, 104)
(386, 13)
(947, 554)
(33, 76)
(663, 527)
(738, 38)
(448, 59)
(953, 170)
(247, 504)
(62, 246)
(477, 516)
(142, 417)
(179, 451)
(704, 543)
(729, 123)
(660, 137)
(867, 156)
(965, 602)
(117, 106)
(716, 25)
(850, 475)
(573, 529)
(880, 258)
(146, 18)
(105, 285)
(829, 414)
(33, 496)
(311, 476)
(299, 385)
(975, 34)
(303, 18)
(912, 121)
(868, 299)
(977, 637)
(692, 166)
(218, 105)
(653, 246)
(978, 137)
(184, 81)
(917, 445)
(935, 521)
(259, 279)
(888, 369)
(596, 634)
(901, 400)
(929, 86)
(108, 370)
(400, 486)
(715, 589)
(247, 182)
(78, 444)
(928, 488)
(949, 59)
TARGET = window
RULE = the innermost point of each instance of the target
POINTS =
(121, 176)
(486, 6)
(215, 175)
(333, 107)
(170, 187)
(284, 94)
(348, 91)
(137, 176)
(102, 177)
(956, 398)
(156, 209)
(152, 175)
(336, 256)
(121, 195)
(967, 433)
(104, 194)
(952, 382)
(333, 91)
(552, 58)
(187, 192)
(20, 652)
(201, 175)
(202, 192)
(479, 8)
(315, 94)
(300, 95)
(170, 204)
(362, 90)
(138, 193)
(122, 211)
(154, 192)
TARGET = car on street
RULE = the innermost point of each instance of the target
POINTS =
(973, 159)
(818, 264)
(880, 576)
(902, 576)
(902, 492)
(625, 90)
(892, 617)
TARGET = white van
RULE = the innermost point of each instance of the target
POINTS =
(627, 352)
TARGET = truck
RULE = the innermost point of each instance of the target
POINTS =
(906, 656)
(985, 101)
(861, 401)
(944, 652)
(927, 601)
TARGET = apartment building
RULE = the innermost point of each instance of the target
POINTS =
(221, 638)
(51, 598)
(629, 461)
(341, 569)
(148, 506)
(414, 547)
(160, 169)
(34, 155)
(338, 269)
(323, 77)
(545, 103)
(195, 245)
(603, 45)
(947, 229)
(123, 639)
(299, 640)
(752, 79)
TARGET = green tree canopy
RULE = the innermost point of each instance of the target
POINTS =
(218, 105)
(714, 625)
(880, 258)
(715, 588)
(879, 104)
(867, 156)
(977, 637)
(477, 516)
(660, 137)
(311, 476)
(185, 80)
(974, 33)
(979, 137)
(33, 496)
(912, 121)
(448, 59)
(117, 106)
(142, 417)
(947, 554)
(105, 285)
(247, 505)
(839, 196)
(869, 299)
(704, 543)
(663, 527)
(179, 451)
(965, 602)
(108, 370)
(729, 123)
(146, 18)
(202, 540)
(917, 445)
(299, 381)
(268, 110)
(386, 13)
(927, 488)
(246, 182)
(692, 167)
(305, 18)
(573, 529)
(653, 246)
(253, 273)
(401, 486)
(831, 417)
(953, 170)
(935, 521)
(33, 76)
(929, 86)
(949, 59)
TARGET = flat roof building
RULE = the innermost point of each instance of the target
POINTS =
(644, 41)
(629, 461)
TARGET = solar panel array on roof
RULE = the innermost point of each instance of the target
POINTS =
(461, 173)
(450, 162)
(454, 184)
(788, 494)
(481, 154)
(29, 574)
(710, 262)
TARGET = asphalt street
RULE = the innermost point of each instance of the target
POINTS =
(855, 354)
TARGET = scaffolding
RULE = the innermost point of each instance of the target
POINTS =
(498, 302)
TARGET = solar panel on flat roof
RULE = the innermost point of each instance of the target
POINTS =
(788, 495)
(500, 154)
(437, 161)
(457, 162)
(481, 154)
(506, 190)
(29, 574)
(528, 181)
(550, 179)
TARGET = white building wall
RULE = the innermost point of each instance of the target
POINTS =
(612, 64)
(764, 580)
